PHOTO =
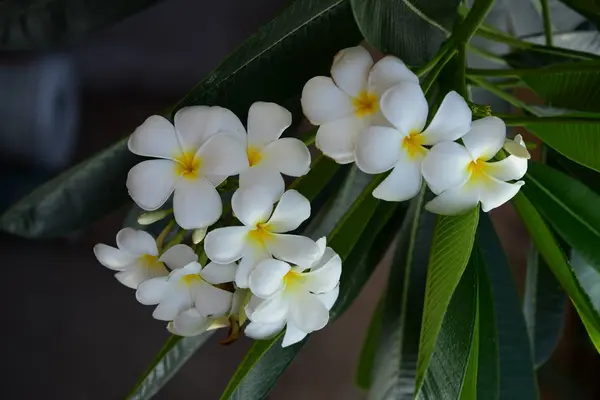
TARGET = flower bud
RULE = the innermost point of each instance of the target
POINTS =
(151, 217)
(198, 235)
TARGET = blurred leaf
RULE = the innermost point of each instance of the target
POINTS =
(588, 277)
(366, 359)
(448, 366)
(271, 65)
(393, 372)
(544, 307)
(568, 85)
(585, 175)
(577, 140)
(553, 255)
(569, 206)
(588, 8)
(452, 243)
(32, 24)
(266, 360)
(175, 352)
(517, 376)
(409, 29)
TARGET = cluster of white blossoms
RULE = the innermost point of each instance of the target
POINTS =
(374, 114)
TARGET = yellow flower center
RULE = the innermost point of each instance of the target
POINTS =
(254, 156)
(292, 278)
(188, 165)
(365, 104)
(190, 279)
(149, 261)
(477, 169)
(413, 144)
(260, 234)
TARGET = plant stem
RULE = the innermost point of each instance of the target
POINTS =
(163, 234)
(547, 22)
(474, 72)
(309, 137)
(486, 54)
(492, 88)
(512, 120)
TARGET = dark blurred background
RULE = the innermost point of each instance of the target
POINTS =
(70, 330)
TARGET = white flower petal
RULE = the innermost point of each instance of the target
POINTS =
(267, 277)
(223, 154)
(270, 311)
(151, 182)
(136, 242)
(325, 278)
(495, 193)
(445, 166)
(252, 206)
(219, 273)
(289, 156)
(291, 211)
(113, 258)
(378, 149)
(132, 277)
(337, 139)
(189, 323)
(455, 201)
(192, 268)
(176, 300)
(258, 331)
(329, 298)
(322, 101)
(226, 245)
(292, 335)
(508, 169)
(294, 249)
(211, 301)
(152, 291)
(403, 183)
(406, 108)
(194, 125)
(266, 123)
(265, 177)
(321, 258)
(350, 69)
(451, 121)
(388, 72)
(178, 256)
(517, 147)
(196, 203)
(485, 138)
(307, 312)
(155, 138)
(252, 256)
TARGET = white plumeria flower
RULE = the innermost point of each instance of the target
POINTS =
(516, 147)
(462, 177)
(348, 102)
(195, 155)
(298, 297)
(262, 234)
(192, 323)
(401, 148)
(136, 257)
(269, 155)
(189, 285)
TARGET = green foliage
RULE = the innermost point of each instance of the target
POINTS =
(588, 8)
(452, 243)
(271, 65)
(419, 34)
(569, 206)
(34, 24)
(368, 352)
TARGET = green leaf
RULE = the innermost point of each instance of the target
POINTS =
(271, 65)
(553, 255)
(544, 307)
(585, 175)
(569, 206)
(588, 277)
(449, 362)
(393, 372)
(577, 140)
(410, 29)
(568, 85)
(588, 8)
(517, 376)
(452, 243)
(366, 359)
(266, 360)
(175, 352)
(32, 24)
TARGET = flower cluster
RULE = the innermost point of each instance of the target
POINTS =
(374, 114)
